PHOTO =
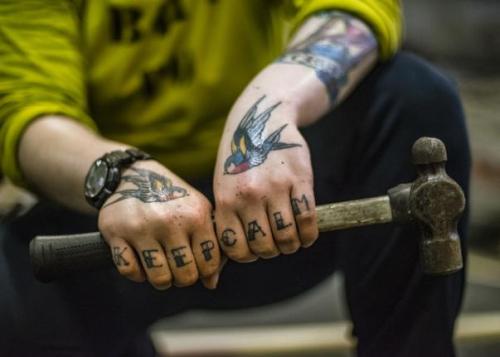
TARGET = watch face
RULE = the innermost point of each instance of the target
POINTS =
(96, 178)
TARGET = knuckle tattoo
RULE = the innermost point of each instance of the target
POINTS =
(180, 257)
(300, 205)
(254, 230)
(280, 221)
(207, 247)
(228, 238)
(118, 258)
(151, 257)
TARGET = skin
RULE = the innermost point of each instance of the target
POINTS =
(262, 211)
(268, 192)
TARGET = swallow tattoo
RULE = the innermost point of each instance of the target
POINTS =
(151, 187)
(248, 147)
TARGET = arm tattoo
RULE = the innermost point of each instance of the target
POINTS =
(333, 50)
(248, 147)
(151, 187)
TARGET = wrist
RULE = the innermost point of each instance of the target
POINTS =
(105, 173)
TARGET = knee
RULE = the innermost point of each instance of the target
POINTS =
(424, 95)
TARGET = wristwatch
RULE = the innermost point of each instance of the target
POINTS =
(105, 173)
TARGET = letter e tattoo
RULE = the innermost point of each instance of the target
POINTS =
(149, 258)
(179, 257)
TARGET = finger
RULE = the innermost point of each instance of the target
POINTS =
(283, 226)
(231, 236)
(206, 249)
(212, 281)
(180, 258)
(154, 263)
(258, 232)
(304, 210)
(125, 260)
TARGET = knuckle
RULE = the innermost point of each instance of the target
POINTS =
(209, 269)
(161, 282)
(307, 217)
(266, 252)
(134, 227)
(309, 236)
(224, 202)
(128, 270)
(187, 278)
(288, 243)
(250, 190)
(240, 256)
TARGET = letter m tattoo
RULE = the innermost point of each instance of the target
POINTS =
(300, 205)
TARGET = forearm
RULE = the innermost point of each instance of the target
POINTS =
(55, 154)
(327, 58)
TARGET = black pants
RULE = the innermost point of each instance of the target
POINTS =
(359, 150)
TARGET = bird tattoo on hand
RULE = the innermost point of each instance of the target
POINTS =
(248, 147)
(151, 187)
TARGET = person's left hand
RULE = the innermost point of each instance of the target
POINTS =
(263, 184)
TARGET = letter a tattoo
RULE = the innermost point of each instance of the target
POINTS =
(253, 229)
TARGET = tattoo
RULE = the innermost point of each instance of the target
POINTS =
(248, 147)
(179, 257)
(118, 257)
(151, 187)
(295, 205)
(206, 248)
(333, 50)
(253, 229)
(280, 222)
(226, 238)
(149, 258)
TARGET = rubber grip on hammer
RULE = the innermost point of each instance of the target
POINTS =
(53, 257)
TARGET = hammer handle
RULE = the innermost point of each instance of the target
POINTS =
(53, 257)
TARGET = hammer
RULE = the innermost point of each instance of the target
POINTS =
(434, 201)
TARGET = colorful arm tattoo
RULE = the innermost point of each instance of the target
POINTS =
(334, 49)
(248, 147)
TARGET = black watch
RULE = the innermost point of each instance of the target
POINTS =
(105, 173)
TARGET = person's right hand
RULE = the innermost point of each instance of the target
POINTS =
(160, 228)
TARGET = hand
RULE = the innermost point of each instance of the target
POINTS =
(160, 219)
(263, 186)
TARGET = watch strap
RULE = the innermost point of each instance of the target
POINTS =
(116, 161)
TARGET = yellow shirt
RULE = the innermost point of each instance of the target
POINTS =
(160, 75)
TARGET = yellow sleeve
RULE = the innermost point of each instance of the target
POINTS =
(383, 16)
(40, 70)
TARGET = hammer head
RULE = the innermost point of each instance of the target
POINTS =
(436, 203)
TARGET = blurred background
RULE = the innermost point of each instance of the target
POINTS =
(462, 37)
